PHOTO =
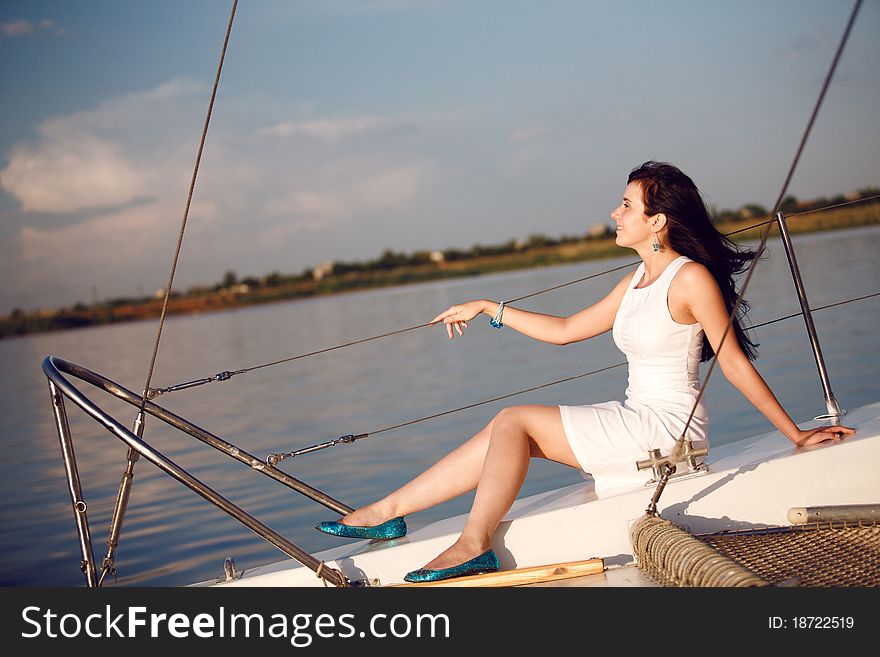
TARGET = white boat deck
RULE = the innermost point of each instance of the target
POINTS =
(751, 483)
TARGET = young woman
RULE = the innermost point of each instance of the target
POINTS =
(667, 317)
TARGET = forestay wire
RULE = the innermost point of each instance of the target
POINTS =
(107, 564)
(189, 198)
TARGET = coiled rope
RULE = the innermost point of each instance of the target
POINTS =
(673, 557)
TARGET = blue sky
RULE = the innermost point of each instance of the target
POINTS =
(343, 128)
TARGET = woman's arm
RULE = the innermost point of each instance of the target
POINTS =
(696, 293)
(587, 323)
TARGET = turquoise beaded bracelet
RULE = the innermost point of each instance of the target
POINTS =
(496, 321)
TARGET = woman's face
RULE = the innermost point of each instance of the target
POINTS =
(633, 225)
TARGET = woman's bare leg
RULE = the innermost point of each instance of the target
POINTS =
(455, 474)
(517, 434)
(494, 461)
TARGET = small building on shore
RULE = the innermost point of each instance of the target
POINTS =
(322, 270)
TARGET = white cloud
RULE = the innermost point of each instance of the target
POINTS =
(391, 188)
(17, 28)
(113, 253)
(348, 190)
(70, 174)
(307, 203)
(117, 175)
(108, 238)
(101, 157)
(327, 130)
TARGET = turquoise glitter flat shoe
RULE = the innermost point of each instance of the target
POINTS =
(484, 563)
(394, 528)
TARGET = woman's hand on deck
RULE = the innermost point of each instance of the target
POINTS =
(814, 436)
(458, 316)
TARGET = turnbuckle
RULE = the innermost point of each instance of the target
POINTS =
(152, 393)
(273, 459)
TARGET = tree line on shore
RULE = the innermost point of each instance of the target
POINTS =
(390, 259)
(390, 268)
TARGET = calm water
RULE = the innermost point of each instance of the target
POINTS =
(171, 536)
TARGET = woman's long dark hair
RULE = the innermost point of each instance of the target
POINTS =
(666, 189)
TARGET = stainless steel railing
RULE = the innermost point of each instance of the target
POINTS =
(60, 388)
(834, 413)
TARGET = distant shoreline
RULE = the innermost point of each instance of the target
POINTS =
(394, 273)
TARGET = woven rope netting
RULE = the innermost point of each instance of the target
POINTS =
(834, 554)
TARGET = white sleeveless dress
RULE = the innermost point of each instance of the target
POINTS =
(664, 381)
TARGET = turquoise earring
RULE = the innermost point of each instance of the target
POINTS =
(655, 244)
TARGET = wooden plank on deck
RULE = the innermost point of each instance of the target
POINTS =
(523, 576)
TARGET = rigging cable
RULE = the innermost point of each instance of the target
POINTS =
(669, 468)
(189, 198)
(678, 450)
(273, 459)
(225, 375)
(125, 485)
